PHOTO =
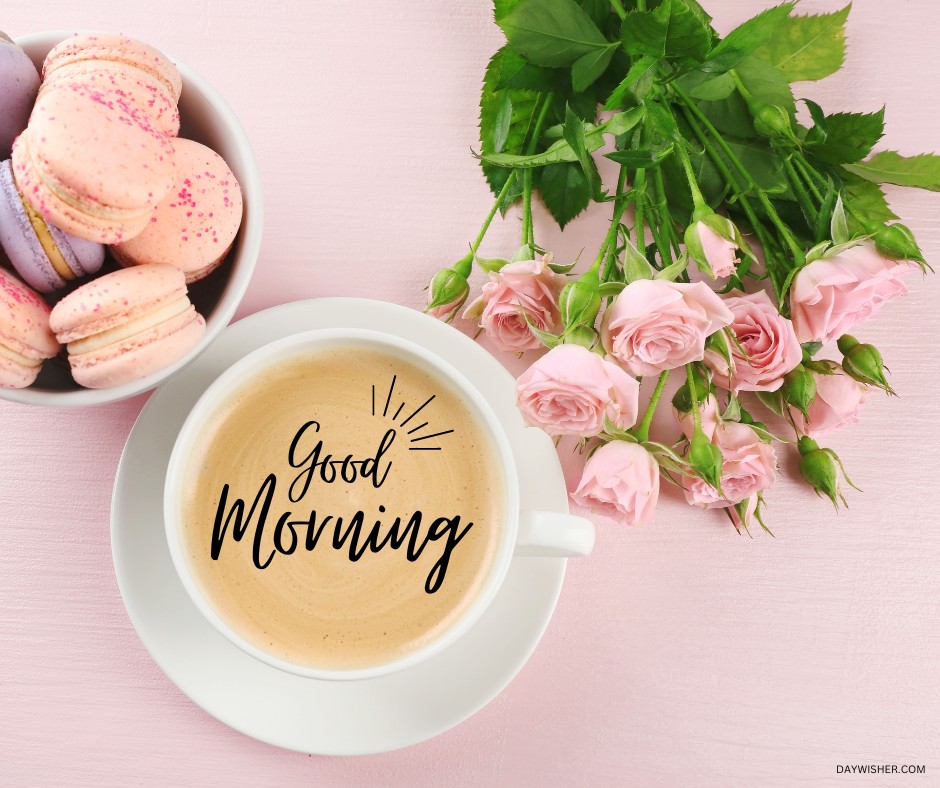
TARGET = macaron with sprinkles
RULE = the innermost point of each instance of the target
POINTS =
(46, 257)
(90, 166)
(26, 339)
(194, 226)
(129, 70)
(127, 325)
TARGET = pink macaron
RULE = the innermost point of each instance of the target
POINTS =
(41, 253)
(130, 71)
(127, 325)
(105, 50)
(91, 166)
(26, 339)
(194, 226)
(19, 82)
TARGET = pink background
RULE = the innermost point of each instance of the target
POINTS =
(680, 654)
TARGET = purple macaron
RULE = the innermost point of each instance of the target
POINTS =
(19, 84)
(43, 255)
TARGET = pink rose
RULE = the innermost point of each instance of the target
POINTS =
(836, 404)
(831, 296)
(766, 348)
(620, 481)
(655, 325)
(525, 288)
(748, 466)
(720, 254)
(708, 418)
(570, 389)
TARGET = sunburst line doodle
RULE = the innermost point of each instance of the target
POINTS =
(419, 437)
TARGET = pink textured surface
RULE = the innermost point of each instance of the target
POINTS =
(680, 654)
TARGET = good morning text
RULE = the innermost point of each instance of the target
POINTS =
(352, 534)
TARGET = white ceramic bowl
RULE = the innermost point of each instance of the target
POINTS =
(205, 117)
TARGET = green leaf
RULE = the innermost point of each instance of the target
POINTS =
(598, 10)
(565, 191)
(551, 32)
(644, 33)
(561, 151)
(503, 7)
(523, 107)
(641, 157)
(866, 199)
(922, 172)
(687, 34)
(766, 83)
(709, 87)
(638, 70)
(516, 72)
(764, 163)
(848, 136)
(589, 67)
(671, 30)
(574, 134)
(502, 122)
(609, 289)
(745, 39)
(808, 47)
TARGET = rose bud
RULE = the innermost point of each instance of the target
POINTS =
(705, 459)
(896, 242)
(799, 388)
(863, 362)
(580, 302)
(819, 468)
(710, 243)
(773, 121)
(447, 292)
(682, 399)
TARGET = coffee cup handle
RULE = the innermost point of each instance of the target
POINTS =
(554, 535)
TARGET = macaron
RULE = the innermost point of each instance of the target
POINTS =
(127, 325)
(91, 167)
(41, 253)
(93, 51)
(194, 226)
(26, 339)
(128, 87)
(19, 83)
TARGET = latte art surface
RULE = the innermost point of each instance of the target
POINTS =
(342, 509)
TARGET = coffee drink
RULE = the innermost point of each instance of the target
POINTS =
(342, 509)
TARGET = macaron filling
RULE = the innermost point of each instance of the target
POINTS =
(49, 246)
(9, 353)
(137, 325)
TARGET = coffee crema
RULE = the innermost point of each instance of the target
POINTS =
(342, 509)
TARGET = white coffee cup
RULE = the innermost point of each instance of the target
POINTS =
(528, 533)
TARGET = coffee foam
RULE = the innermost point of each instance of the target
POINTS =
(317, 608)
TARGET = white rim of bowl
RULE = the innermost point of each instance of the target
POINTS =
(250, 235)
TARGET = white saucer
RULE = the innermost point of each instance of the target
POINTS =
(327, 718)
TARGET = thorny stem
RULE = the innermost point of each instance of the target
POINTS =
(528, 231)
(760, 194)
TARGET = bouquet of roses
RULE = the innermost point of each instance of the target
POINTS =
(742, 243)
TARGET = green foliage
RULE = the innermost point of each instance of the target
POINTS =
(846, 136)
(922, 172)
(565, 191)
(745, 39)
(551, 32)
(672, 30)
(807, 47)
